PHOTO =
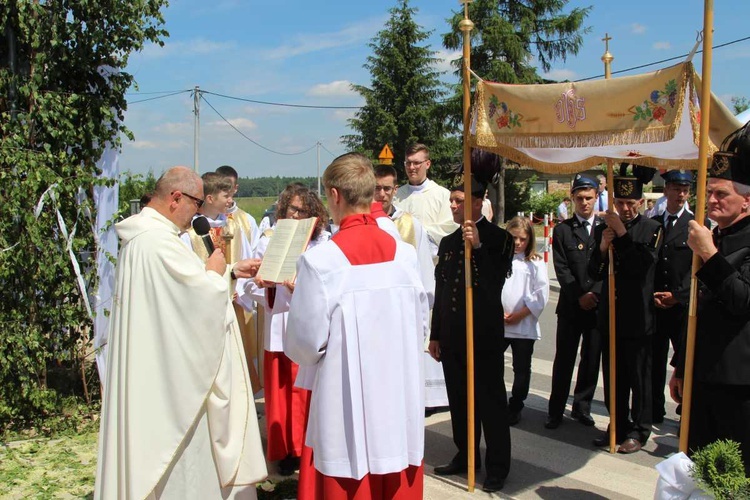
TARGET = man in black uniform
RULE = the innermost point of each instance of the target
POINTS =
(491, 260)
(672, 282)
(572, 246)
(721, 375)
(636, 241)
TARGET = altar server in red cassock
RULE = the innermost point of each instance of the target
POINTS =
(286, 404)
(365, 434)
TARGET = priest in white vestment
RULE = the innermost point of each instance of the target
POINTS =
(178, 417)
(359, 314)
(412, 231)
(425, 199)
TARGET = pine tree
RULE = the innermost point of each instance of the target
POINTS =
(510, 37)
(401, 102)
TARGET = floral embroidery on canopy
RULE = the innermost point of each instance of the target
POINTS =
(654, 108)
(506, 118)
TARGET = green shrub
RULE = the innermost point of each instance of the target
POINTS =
(719, 470)
(541, 203)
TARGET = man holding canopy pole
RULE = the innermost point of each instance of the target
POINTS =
(721, 386)
(636, 242)
(491, 261)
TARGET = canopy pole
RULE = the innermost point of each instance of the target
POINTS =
(700, 215)
(612, 323)
(607, 59)
(466, 26)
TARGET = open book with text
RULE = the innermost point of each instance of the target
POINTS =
(289, 239)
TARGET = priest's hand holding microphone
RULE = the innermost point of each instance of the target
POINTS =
(216, 262)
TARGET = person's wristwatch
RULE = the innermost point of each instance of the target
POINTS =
(231, 273)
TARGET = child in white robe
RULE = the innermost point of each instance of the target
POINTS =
(524, 296)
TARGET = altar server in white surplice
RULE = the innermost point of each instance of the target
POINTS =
(178, 416)
(412, 231)
(359, 314)
(424, 199)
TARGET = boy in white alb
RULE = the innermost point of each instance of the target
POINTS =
(373, 445)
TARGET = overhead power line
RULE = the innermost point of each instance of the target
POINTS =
(159, 97)
(683, 56)
(268, 103)
(248, 138)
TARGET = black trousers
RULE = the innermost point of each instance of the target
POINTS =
(491, 410)
(569, 335)
(632, 379)
(720, 412)
(523, 350)
(670, 323)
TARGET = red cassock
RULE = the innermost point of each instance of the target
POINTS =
(286, 407)
(362, 242)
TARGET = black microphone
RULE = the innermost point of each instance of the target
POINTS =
(202, 228)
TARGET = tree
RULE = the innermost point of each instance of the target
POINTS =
(401, 102)
(739, 104)
(509, 37)
(62, 98)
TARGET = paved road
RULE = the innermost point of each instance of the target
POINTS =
(555, 464)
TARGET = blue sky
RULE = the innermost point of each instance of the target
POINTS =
(308, 52)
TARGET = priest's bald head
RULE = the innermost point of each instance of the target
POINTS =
(178, 195)
(349, 183)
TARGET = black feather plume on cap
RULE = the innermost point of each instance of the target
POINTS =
(643, 174)
(485, 167)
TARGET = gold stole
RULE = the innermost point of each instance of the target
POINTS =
(246, 319)
(241, 218)
(405, 226)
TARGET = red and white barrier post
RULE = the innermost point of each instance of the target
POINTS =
(546, 238)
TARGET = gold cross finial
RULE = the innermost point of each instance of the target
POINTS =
(606, 40)
(465, 3)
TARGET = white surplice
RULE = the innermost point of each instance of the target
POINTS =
(528, 286)
(430, 203)
(363, 327)
(178, 417)
(436, 393)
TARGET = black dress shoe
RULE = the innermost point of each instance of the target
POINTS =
(628, 446)
(584, 418)
(455, 466)
(602, 441)
(451, 469)
(288, 465)
(514, 417)
(493, 483)
(553, 422)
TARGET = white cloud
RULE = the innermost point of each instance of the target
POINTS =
(174, 128)
(240, 123)
(637, 29)
(197, 46)
(561, 75)
(445, 59)
(157, 145)
(344, 115)
(144, 144)
(662, 45)
(338, 88)
(308, 43)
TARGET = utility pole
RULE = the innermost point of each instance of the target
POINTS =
(318, 151)
(196, 126)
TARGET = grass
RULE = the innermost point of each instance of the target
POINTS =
(64, 466)
(255, 206)
(49, 468)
